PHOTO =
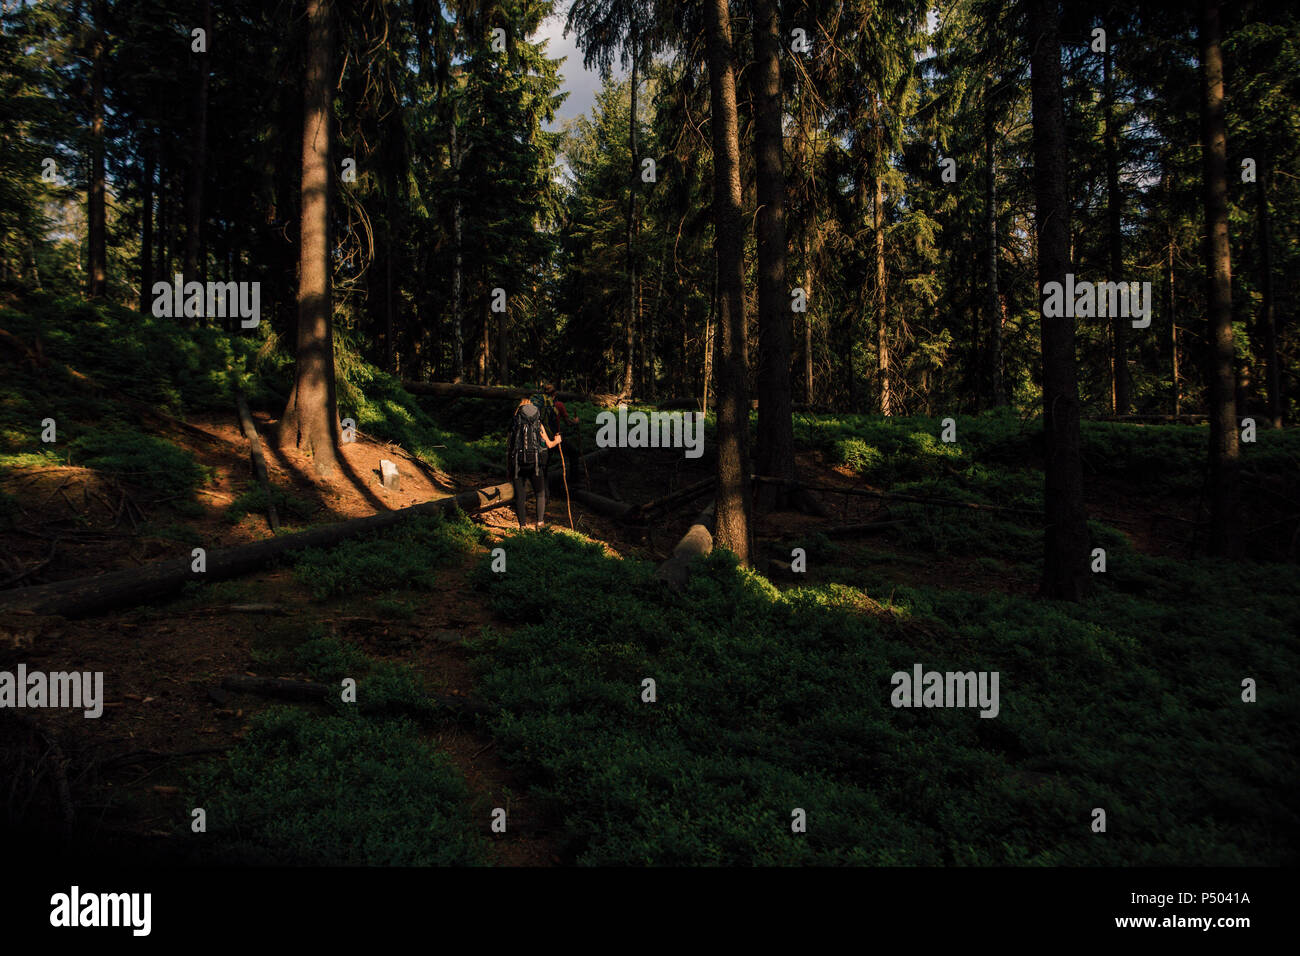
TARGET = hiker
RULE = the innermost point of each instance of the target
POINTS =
(526, 457)
(552, 409)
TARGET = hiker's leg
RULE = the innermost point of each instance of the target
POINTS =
(539, 486)
(521, 503)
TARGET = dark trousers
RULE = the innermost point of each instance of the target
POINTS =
(538, 479)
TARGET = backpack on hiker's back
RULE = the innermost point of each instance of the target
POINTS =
(546, 405)
(526, 450)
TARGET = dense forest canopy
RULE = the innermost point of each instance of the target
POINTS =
(897, 190)
(442, 156)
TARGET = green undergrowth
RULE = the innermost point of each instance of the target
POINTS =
(171, 366)
(891, 450)
(142, 459)
(124, 356)
(408, 555)
(288, 505)
(99, 359)
(770, 701)
(355, 785)
(996, 463)
(383, 409)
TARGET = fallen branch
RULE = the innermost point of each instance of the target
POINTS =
(686, 493)
(258, 459)
(430, 472)
(161, 579)
(14, 579)
(618, 510)
(866, 527)
(805, 501)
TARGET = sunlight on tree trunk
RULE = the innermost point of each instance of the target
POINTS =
(732, 515)
(310, 420)
(1220, 370)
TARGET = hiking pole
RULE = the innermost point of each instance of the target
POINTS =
(564, 476)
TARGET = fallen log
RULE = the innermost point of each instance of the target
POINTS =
(697, 542)
(311, 691)
(618, 510)
(555, 480)
(259, 460)
(676, 497)
(805, 501)
(80, 597)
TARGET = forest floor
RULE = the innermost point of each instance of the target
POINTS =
(166, 709)
(775, 688)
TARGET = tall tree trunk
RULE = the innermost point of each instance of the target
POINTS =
(809, 280)
(1065, 564)
(775, 424)
(732, 514)
(681, 384)
(707, 347)
(1173, 322)
(390, 345)
(881, 297)
(457, 272)
(855, 318)
(882, 327)
(993, 301)
(97, 228)
(485, 352)
(1114, 238)
(804, 153)
(503, 347)
(1220, 372)
(649, 378)
(149, 147)
(198, 156)
(972, 301)
(631, 232)
(1268, 319)
(164, 223)
(310, 419)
